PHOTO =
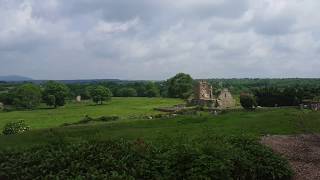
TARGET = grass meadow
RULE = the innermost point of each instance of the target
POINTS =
(46, 123)
(45, 117)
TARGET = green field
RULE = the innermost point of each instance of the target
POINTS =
(45, 122)
(72, 112)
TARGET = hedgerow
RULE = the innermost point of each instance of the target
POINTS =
(214, 158)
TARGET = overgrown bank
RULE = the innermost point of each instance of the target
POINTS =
(207, 158)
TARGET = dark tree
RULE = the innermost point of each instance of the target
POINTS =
(180, 86)
(55, 93)
(127, 92)
(247, 101)
(78, 90)
(51, 100)
(7, 98)
(287, 96)
(140, 87)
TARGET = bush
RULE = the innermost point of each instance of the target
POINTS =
(213, 158)
(108, 118)
(15, 128)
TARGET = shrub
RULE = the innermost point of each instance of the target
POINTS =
(15, 128)
(211, 158)
(108, 118)
(87, 119)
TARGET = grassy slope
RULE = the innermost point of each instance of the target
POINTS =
(272, 121)
(124, 107)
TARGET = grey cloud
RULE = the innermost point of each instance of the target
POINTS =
(119, 10)
(274, 25)
(151, 39)
(226, 9)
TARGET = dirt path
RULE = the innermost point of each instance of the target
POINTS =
(302, 151)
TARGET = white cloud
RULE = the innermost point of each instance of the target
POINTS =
(146, 39)
(115, 27)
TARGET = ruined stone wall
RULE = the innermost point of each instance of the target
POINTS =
(203, 91)
(225, 99)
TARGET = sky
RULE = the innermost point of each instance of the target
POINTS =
(155, 39)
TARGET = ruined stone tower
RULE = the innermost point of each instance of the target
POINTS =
(203, 94)
(203, 91)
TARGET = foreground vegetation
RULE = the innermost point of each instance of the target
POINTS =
(201, 144)
(239, 158)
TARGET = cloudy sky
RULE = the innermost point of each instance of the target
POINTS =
(155, 39)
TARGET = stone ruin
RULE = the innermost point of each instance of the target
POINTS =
(225, 99)
(203, 96)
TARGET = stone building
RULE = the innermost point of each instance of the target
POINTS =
(225, 99)
(203, 95)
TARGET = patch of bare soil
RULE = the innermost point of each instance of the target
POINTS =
(302, 151)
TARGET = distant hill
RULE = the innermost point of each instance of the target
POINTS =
(78, 81)
(14, 78)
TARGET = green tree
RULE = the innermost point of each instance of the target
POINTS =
(99, 94)
(247, 101)
(127, 92)
(78, 90)
(55, 93)
(152, 90)
(27, 96)
(140, 87)
(180, 86)
(7, 98)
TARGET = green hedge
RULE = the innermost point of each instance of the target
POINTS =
(210, 158)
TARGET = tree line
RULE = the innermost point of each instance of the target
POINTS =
(55, 94)
(255, 92)
(273, 96)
